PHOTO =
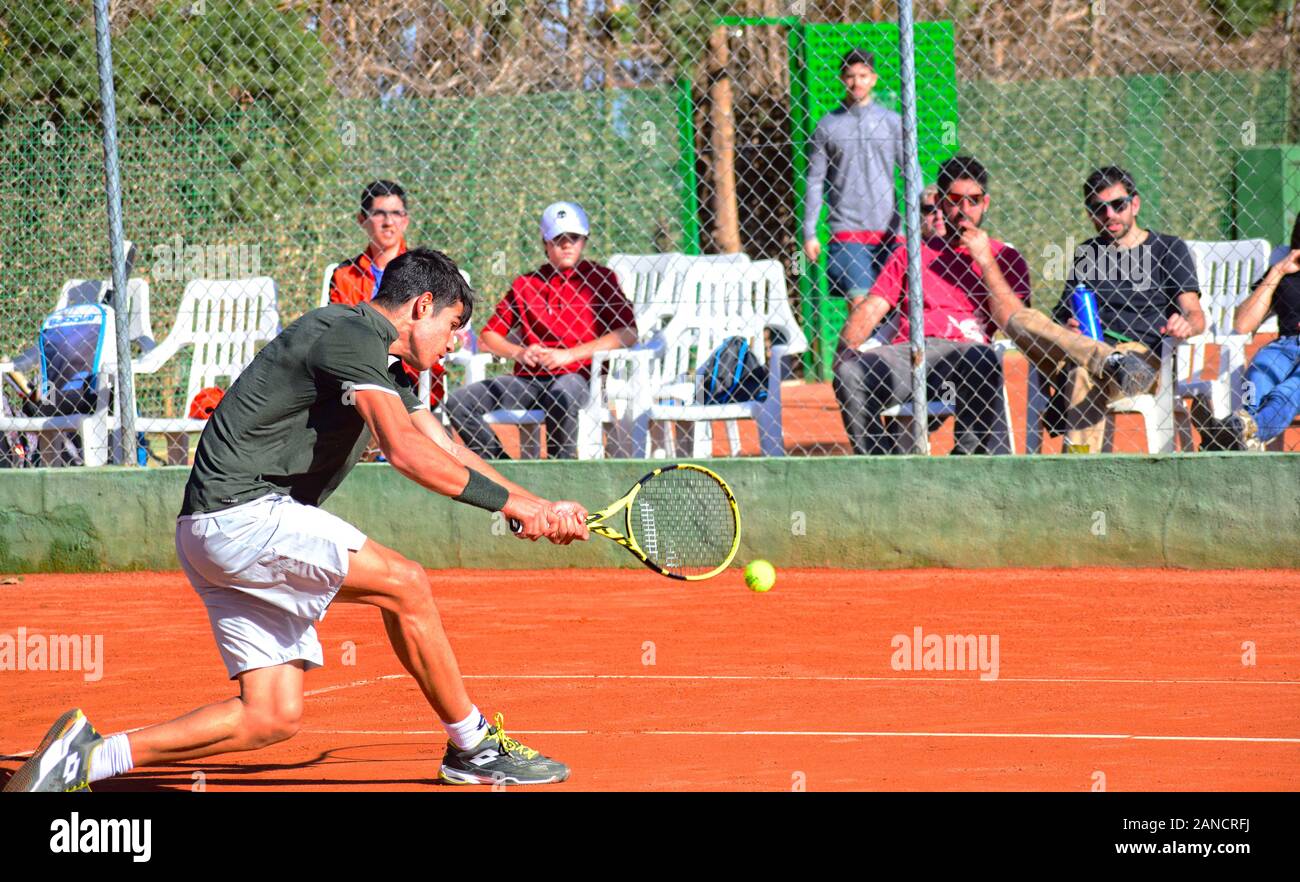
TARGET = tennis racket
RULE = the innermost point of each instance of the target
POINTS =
(680, 520)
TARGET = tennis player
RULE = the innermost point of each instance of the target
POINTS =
(268, 561)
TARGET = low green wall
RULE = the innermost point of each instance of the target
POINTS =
(1203, 511)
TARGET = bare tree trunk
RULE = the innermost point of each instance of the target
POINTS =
(1094, 38)
(577, 48)
(609, 46)
(726, 229)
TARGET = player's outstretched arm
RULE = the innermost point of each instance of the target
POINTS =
(429, 425)
(417, 457)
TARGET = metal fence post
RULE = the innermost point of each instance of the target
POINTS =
(912, 198)
(125, 394)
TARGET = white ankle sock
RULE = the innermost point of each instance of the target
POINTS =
(469, 731)
(113, 757)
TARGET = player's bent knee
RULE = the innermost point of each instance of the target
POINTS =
(410, 585)
(264, 728)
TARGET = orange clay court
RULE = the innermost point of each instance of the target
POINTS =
(1134, 675)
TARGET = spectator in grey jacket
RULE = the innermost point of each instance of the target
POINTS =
(855, 150)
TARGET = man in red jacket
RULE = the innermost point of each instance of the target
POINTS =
(384, 218)
(549, 324)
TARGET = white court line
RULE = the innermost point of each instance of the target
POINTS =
(972, 677)
(759, 733)
(842, 734)
(310, 692)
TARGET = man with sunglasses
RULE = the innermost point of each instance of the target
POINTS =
(550, 323)
(1145, 288)
(932, 221)
(1146, 295)
(961, 367)
(854, 152)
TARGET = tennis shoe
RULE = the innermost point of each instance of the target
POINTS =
(61, 763)
(499, 759)
(1237, 431)
(1130, 372)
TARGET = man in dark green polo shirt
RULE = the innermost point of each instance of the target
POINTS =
(267, 561)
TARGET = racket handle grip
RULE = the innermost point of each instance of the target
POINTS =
(516, 527)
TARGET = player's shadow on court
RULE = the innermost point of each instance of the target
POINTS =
(236, 776)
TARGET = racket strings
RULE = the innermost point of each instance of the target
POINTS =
(684, 521)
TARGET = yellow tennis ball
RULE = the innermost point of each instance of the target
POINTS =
(760, 575)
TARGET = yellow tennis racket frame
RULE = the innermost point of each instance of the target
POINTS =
(626, 539)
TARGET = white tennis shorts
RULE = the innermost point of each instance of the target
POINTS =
(266, 570)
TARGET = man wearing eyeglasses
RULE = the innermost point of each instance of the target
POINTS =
(963, 369)
(383, 217)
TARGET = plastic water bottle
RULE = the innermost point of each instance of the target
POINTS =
(1083, 303)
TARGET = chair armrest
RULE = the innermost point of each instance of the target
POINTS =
(24, 361)
(151, 361)
(641, 358)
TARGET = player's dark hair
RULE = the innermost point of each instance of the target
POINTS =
(1108, 176)
(962, 168)
(1295, 233)
(375, 189)
(857, 56)
(409, 275)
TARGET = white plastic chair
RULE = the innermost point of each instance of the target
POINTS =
(677, 376)
(325, 285)
(764, 294)
(222, 322)
(1224, 271)
(653, 283)
(640, 277)
(717, 300)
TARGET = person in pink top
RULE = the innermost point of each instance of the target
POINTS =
(962, 367)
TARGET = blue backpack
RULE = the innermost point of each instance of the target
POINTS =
(72, 347)
(733, 374)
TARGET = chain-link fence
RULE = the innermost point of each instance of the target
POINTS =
(1134, 166)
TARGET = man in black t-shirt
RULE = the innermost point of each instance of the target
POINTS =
(1145, 288)
(267, 561)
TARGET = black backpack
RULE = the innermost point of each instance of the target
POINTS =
(733, 374)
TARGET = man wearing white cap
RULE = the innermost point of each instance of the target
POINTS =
(560, 314)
